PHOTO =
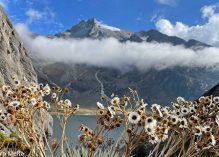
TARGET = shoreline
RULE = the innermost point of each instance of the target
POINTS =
(81, 111)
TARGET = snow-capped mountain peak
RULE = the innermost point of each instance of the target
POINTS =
(95, 23)
(93, 28)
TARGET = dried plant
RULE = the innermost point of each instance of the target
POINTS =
(26, 112)
(187, 128)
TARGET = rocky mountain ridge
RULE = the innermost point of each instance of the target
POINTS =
(94, 29)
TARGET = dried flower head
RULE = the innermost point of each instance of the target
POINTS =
(134, 117)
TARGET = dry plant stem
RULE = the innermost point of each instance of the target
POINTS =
(182, 150)
(217, 152)
(173, 149)
(190, 148)
(154, 152)
(23, 137)
(167, 145)
(99, 131)
(127, 151)
(61, 125)
(43, 130)
(37, 140)
(63, 135)
(91, 154)
(69, 150)
(41, 152)
(190, 152)
(39, 146)
(157, 149)
(117, 142)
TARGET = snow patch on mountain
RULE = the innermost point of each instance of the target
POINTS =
(104, 26)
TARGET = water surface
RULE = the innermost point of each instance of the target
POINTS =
(73, 124)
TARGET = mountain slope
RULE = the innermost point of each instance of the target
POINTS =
(14, 60)
(156, 36)
(155, 86)
(213, 91)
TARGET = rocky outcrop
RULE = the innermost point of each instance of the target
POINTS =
(14, 60)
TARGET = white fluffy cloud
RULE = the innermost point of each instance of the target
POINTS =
(208, 32)
(112, 53)
(208, 11)
(167, 2)
(36, 15)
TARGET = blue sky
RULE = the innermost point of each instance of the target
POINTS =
(133, 15)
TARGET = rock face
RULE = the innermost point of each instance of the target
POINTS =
(14, 60)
